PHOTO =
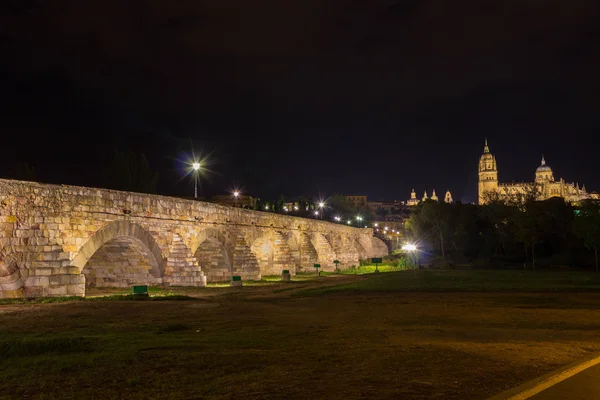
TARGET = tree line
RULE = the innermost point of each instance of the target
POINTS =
(509, 231)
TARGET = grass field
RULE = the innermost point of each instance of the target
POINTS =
(412, 334)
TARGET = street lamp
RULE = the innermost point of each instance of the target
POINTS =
(411, 249)
(337, 218)
(236, 194)
(196, 167)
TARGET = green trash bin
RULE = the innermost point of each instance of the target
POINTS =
(140, 291)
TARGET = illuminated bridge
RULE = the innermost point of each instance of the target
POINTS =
(56, 240)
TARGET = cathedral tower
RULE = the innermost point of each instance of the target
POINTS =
(488, 173)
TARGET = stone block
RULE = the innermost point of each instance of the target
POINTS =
(76, 290)
(77, 279)
(55, 291)
(43, 271)
(37, 281)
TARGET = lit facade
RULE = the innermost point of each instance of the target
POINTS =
(544, 186)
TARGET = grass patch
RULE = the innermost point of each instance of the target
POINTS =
(35, 346)
(364, 269)
(468, 280)
(159, 297)
(176, 327)
(453, 345)
(48, 300)
(41, 300)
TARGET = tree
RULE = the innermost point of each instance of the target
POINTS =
(130, 171)
(529, 225)
(586, 226)
(340, 204)
(431, 220)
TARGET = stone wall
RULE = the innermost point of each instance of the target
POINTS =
(55, 239)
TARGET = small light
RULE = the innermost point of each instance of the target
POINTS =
(285, 208)
(321, 204)
(196, 166)
(376, 225)
(236, 194)
(266, 207)
(349, 222)
(296, 208)
(316, 213)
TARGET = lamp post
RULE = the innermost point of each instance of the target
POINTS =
(236, 194)
(411, 249)
(321, 205)
(196, 167)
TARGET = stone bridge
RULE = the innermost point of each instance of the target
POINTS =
(56, 240)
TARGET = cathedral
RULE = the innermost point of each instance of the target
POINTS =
(545, 184)
(413, 201)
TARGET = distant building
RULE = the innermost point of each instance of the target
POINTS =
(544, 185)
(413, 201)
(448, 197)
(389, 207)
(357, 201)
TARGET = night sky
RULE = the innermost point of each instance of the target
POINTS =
(303, 97)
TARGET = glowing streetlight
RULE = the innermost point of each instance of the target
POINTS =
(337, 218)
(196, 168)
(376, 225)
(295, 208)
(285, 209)
(409, 247)
(236, 194)
(349, 222)
(316, 213)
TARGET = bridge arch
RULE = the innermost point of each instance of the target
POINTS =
(121, 254)
(214, 255)
(272, 253)
(380, 249)
(11, 276)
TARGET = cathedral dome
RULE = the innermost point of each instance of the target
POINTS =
(543, 168)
